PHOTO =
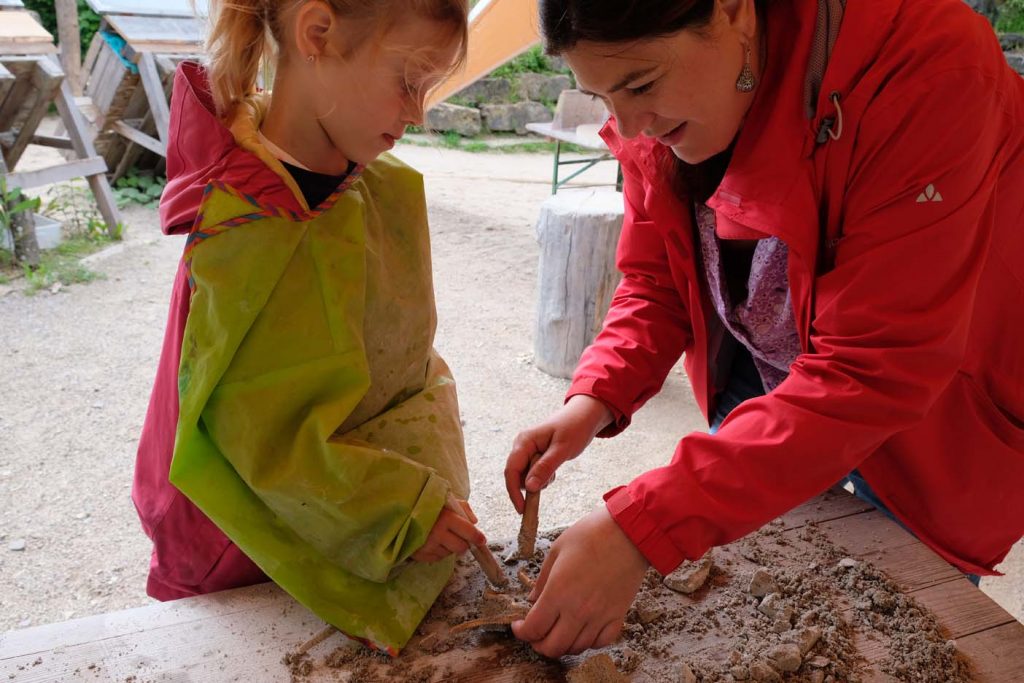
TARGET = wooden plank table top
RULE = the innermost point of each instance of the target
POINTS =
(243, 634)
(21, 34)
(148, 8)
(159, 34)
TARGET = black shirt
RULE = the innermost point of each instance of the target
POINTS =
(316, 187)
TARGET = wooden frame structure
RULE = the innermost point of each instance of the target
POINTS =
(30, 80)
(129, 71)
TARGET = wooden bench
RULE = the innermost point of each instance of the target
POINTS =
(30, 80)
(578, 118)
(129, 71)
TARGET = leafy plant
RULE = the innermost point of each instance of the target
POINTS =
(73, 204)
(1010, 16)
(64, 265)
(88, 20)
(531, 61)
(139, 188)
(12, 202)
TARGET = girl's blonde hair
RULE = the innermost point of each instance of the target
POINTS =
(245, 34)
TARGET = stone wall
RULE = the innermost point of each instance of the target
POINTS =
(500, 105)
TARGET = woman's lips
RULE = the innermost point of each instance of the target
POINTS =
(672, 138)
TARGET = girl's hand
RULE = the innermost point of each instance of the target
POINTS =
(587, 583)
(451, 534)
(561, 437)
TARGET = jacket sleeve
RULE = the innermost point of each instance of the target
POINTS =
(647, 326)
(889, 328)
(366, 499)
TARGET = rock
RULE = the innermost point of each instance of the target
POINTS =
(82, 515)
(56, 287)
(24, 623)
(818, 662)
(450, 117)
(817, 676)
(513, 117)
(883, 601)
(486, 91)
(772, 606)
(762, 583)
(786, 656)
(648, 611)
(17, 545)
(807, 638)
(686, 674)
(847, 563)
(542, 88)
(762, 671)
(1016, 61)
(597, 669)
(1011, 41)
(689, 577)
(739, 672)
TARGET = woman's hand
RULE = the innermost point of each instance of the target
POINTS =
(451, 534)
(561, 437)
(587, 583)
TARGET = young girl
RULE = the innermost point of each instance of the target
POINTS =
(301, 426)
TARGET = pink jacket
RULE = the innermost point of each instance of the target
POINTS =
(905, 241)
(190, 554)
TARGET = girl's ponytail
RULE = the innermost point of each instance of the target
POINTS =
(238, 41)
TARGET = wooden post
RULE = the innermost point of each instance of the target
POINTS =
(70, 43)
(578, 232)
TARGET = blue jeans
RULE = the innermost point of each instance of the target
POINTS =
(745, 383)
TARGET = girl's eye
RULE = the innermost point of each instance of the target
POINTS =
(640, 90)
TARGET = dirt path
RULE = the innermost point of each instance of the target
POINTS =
(78, 366)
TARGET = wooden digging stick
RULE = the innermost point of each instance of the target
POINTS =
(483, 555)
(527, 540)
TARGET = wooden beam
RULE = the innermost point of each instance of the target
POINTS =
(6, 83)
(75, 124)
(57, 174)
(46, 80)
(154, 87)
(70, 43)
(140, 138)
(55, 141)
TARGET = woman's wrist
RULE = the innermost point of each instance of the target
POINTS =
(593, 411)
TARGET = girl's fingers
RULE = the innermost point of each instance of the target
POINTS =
(469, 511)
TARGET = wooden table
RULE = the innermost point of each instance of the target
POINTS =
(242, 635)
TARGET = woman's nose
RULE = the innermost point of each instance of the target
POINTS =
(631, 121)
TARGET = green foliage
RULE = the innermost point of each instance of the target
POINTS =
(64, 264)
(531, 61)
(88, 21)
(12, 202)
(141, 188)
(73, 204)
(1010, 16)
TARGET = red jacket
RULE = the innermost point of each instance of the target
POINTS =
(191, 555)
(906, 269)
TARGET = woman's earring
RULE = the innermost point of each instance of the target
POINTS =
(746, 82)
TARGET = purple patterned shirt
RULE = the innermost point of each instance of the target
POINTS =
(764, 322)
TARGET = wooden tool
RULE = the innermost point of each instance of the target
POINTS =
(527, 539)
(483, 555)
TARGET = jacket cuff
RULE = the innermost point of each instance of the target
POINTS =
(640, 528)
(620, 416)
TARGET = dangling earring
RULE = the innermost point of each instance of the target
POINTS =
(746, 82)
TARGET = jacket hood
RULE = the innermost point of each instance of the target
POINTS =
(201, 148)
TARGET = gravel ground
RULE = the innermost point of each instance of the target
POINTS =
(78, 365)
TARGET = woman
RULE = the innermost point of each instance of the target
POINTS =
(823, 212)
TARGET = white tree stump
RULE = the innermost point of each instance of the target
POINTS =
(578, 231)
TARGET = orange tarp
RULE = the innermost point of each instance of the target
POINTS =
(498, 31)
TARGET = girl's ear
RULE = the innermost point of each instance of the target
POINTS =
(314, 21)
(741, 16)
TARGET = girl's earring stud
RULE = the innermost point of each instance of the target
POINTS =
(311, 58)
(746, 82)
